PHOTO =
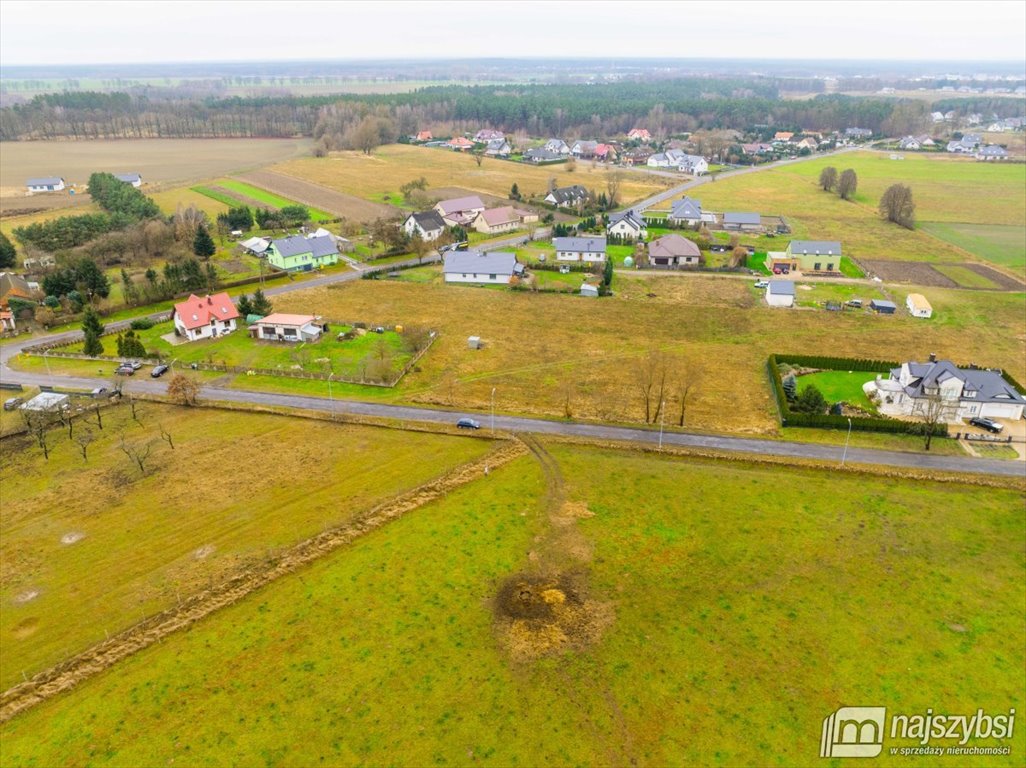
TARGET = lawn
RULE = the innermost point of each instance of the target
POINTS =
(146, 540)
(999, 244)
(554, 281)
(732, 607)
(841, 386)
(268, 198)
(818, 293)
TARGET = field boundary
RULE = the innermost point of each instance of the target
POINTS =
(91, 662)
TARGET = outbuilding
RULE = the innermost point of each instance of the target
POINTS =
(45, 184)
(47, 402)
(918, 306)
(883, 307)
(780, 293)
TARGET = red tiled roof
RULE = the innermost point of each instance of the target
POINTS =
(195, 312)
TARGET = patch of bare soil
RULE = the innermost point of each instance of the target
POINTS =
(26, 597)
(72, 537)
(909, 272)
(25, 628)
(308, 193)
(1007, 282)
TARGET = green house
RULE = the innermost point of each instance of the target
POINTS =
(808, 257)
(302, 254)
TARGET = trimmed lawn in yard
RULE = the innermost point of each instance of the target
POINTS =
(554, 281)
(838, 386)
(818, 293)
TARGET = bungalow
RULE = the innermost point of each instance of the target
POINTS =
(967, 144)
(45, 184)
(130, 178)
(686, 211)
(780, 293)
(495, 221)
(605, 153)
(255, 245)
(423, 136)
(639, 134)
(991, 152)
(567, 197)
(782, 137)
(693, 164)
(540, 156)
(627, 225)
(428, 224)
(557, 146)
(284, 327)
(584, 149)
(918, 306)
(205, 318)
(495, 268)
(460, 211)
(658, 160)
(459, 144)
(670, 251)
(498, 148)
(742, 222)
(964, 393)
(808, 256)
(302, 254)
(926, 141)
(808, 143)
(580, 248)
(487, 134)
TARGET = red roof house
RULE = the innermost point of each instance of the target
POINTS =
(203, 318)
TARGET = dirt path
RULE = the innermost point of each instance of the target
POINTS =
(75, 670)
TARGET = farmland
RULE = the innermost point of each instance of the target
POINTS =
(380, 174)
(999, 244)
(706, 586)
(308, 194)
(133, 545)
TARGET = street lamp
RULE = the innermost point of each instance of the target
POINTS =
(846, 439)
(493, 411)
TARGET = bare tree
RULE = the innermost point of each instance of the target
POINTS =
(897, 206)
(137, 454)
(571, 164)
(847, 184)
(932, 411)
(613, 181)
(37, 423)
(686, 379)
(828, 178)
(99, 416)
(183, 390)
(84, 438)
(166, 436)
(478, 158)
(567, 390)
(651, 382)
(738, 256)
(134, 405)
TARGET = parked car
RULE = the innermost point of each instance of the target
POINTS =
(136, 365)
(124, 370)
(158, 371)
(987, 424)
(468, 424)
(98, 392)
(762, 283)
(12, 402)
(856, 303)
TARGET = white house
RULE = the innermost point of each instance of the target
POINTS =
(567, 197)
(964, 393)
(580, 248)
(780, 293)
(495, 268)
(584, 148)
(45, 184)
(640, 134)
(557, 147)
(487, 134)
(134, 179)
(671, 251)
(204, 318)
(498, 148)
(284, 327)
(428, 224)
(627, 225)
(686, 211)
(693, 164)
(918, 306)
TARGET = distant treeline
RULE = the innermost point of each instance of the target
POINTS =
(543, 109)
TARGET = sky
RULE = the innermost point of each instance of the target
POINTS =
(45, 32)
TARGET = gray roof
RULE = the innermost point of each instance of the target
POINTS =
(583, 244)
(584, 144)
(494, 263)
(882, 303)
(44, 181)
(542, 155)
(671, 246)
(570, 194)
(631, 216)
(686, 208)
(742, 218)
(429, 220)
(993, 151)
(297, 244)
(990, 386)
(128, 177)
(781, 287)
(817, 247)
(459, 205)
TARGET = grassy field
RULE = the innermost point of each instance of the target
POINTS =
(841, 386)
(716, 612)
(965, 277)
(950, 190)
(996, 243)
(269, 198)
(141, 542)
(381, 173)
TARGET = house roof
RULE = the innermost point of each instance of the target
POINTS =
(580, 244)
(990, 386)
(457, 204)
(672, 245)
(817, 247)
(128, 177)
(46, 401)
(44, 181)
(195, 312)
(282, 318)
(256, 244)
(918, 301)
(570, 194)
(631, 217)
(586, 145)
(783, 135)
(459, 141)
(781, 287)
(541, 155)
(494, 263)
(742, 218)
(493, 217)
(14, 285)
(428, 220)
(686, 208)
(993, 151)
(297, 244)
(883, 304)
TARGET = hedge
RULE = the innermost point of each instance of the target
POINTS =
(838, 363)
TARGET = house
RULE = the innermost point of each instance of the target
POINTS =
(991, 152)
(937, 117)
(964, 393)
(45, 184)
(584, 149)
(742, 222)
(14, 286)
(807, 256)
(460, 211)
(459, 144)
(302, 254)
(495, 268)
(423, 136)
(567, 197)
(686, 211)
(205, 318)
(636, 157)
(780, 293)
(256, 245)
(808, 143)
(926, 141)
(658, 160)
(7, 321)
(495, 221)
(783, 136)
(279, 326)
(526, 217)
(487, 134)
(47, 402)
(606, 153)
(967, 144)
(670, 251)
(428, 224)
(580, 248)
(343, 244)
(557, 147)
(639, 134)
(857, 134)
(910, 143)
(498, 148)
(696, 165)
(627, 225)
(129, 178)
(757, 148)
(918, 306)
(540, 156)
(883, 307)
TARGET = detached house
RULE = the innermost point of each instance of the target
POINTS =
(45, 184)
(423, 136)
(557, 147)
(742, 222)
(580, 248)
(991, 152)
(498, 148)
(496, 268)
(584, 149)
(134, 179)
(284, 327)
(672, 251)
(428, 224)
(567, 197)
(538, 156)
(783, 136)
(808, 256)
(627, 225)
(639, 134)
(302, 254)
(686, 211)
(205, 318)
(487, 134)
(495, 221)
(460, 211)
(696, 165)
(459, 144)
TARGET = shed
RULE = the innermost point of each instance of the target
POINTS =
(918, 306)
(883, 307)
(47, 402)
(780, 293)
(587, 289)
(474, 342)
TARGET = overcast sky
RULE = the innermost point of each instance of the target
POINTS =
(43, 32)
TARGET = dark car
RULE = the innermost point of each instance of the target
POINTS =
(468, 424)
(12, 402)
(125, 370)
(158, 371)
(987, 424)
(98, 392)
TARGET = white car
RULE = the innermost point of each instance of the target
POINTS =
(762, 284)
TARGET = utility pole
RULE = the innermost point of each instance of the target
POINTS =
(331, 396)
(846, 439)
(493, 411)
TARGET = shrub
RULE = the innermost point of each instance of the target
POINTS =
(141, 324)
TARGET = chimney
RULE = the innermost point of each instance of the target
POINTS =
(933, 357)
(209, 300)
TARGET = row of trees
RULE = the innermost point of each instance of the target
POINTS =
(846, 184)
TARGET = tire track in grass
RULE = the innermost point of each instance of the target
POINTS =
(69, 673)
